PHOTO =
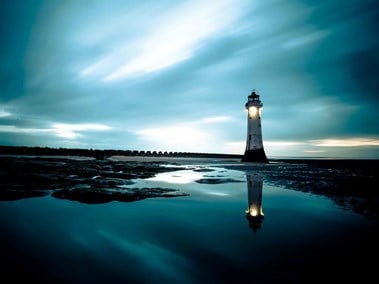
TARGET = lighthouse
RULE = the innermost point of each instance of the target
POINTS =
(254, 151)
(254, 212)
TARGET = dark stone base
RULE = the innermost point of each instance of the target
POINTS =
(258, 156)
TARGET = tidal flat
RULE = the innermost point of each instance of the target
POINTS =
(143, 220)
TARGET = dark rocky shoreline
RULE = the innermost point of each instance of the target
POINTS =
(88, 181)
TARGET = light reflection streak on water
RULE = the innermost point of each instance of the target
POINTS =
(185, 180)
(216, 193)
(178, 177)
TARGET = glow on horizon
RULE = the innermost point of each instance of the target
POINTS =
(298, 148)
(347, 142)
(189, 136)
(271, 147)
(174, 138)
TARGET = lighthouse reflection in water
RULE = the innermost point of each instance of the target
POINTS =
(254, 212)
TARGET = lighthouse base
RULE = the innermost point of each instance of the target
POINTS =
(258, 156)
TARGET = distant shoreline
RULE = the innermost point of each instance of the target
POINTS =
(102, 154)
(141, 155)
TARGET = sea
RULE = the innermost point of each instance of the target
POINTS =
(188, 220)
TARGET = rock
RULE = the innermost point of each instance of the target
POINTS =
(104, 195)
(92, 181)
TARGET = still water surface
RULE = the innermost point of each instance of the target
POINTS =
(206, 237)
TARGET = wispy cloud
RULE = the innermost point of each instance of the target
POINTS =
(24, 130)
(67, 131)
(215, 119)
(348, 142)
(4, 113)
(182, 30)
(314, 151)
(71, 131)
(305, 39)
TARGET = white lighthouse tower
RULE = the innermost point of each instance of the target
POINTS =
(254, 146)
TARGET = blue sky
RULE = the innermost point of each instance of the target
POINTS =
(175, 75)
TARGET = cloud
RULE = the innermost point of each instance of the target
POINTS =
(4, 113)
(67, 131)
(188, 65)
(24, 130)
(341, 147)
(72, 131)
(305, 39)
(347, 142)
(182, 31)
(314, 151)
(215, 119)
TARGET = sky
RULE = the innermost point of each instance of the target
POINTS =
(175, 75)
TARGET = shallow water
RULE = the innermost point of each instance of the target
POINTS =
(204, 237)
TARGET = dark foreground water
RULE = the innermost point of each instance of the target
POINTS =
(232, 225)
